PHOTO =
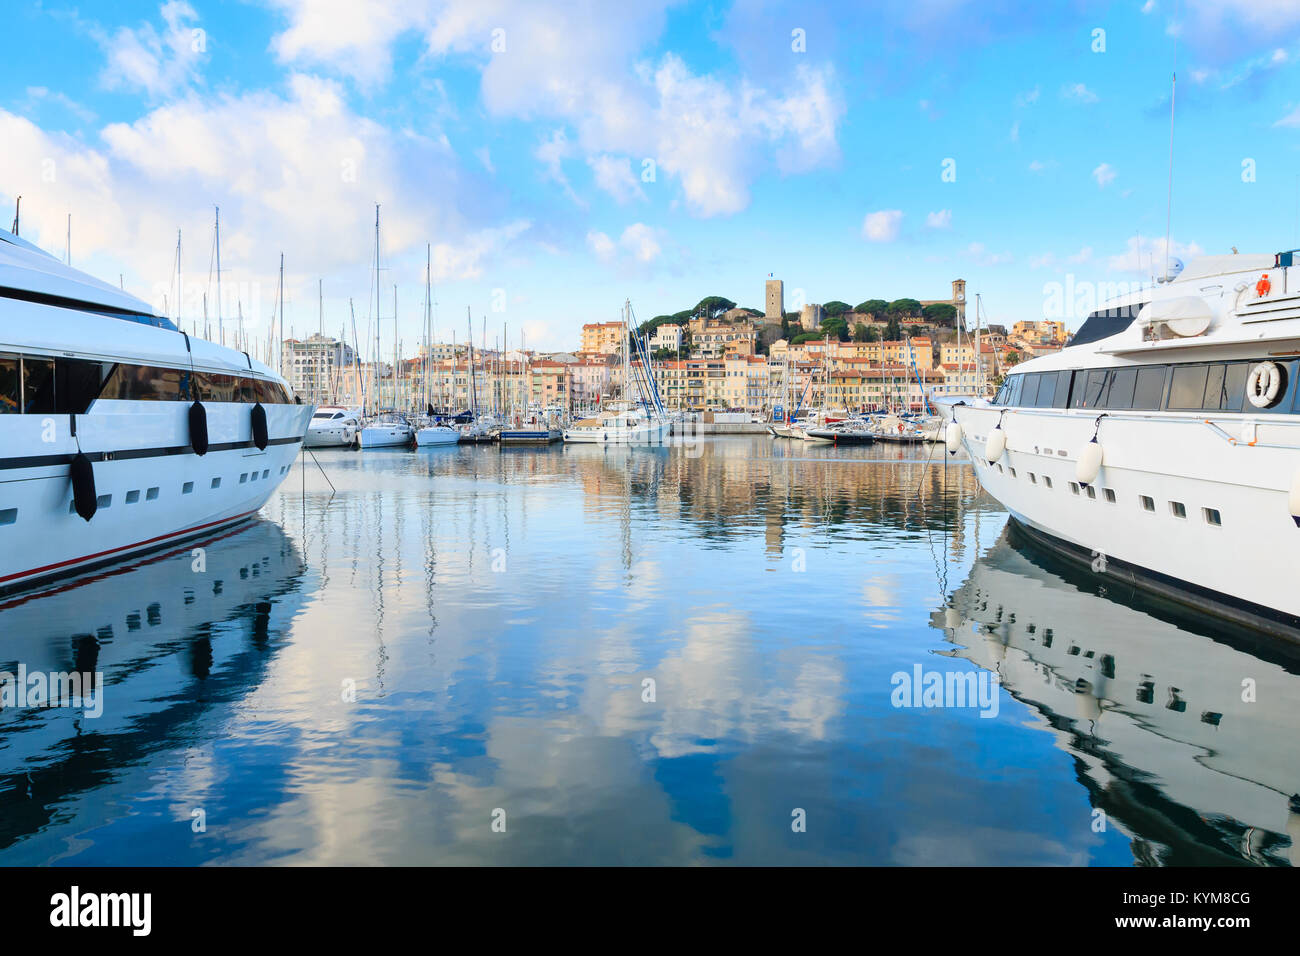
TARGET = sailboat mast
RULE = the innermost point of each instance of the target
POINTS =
(221, 332)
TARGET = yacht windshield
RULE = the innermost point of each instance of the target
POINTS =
(1104, 323)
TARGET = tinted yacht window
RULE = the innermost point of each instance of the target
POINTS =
(1105, 323)
(1188, 387)
(38, 385)
(1149, 392)
(9, 385)
(1119, 390)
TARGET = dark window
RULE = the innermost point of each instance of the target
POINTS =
(1213, 387)
(78, 383)
(1046, 390)
(1062, 399)
(1188, 387)
(144, 383)
(1029, 391)
(38, 385)
(1105, 323)
(1234, 387)
(9, 378)
(1017, 386)
(1089, 394)
(1150, 390)
(214, 387)
(1119, 394)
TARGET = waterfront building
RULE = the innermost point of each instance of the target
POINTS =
(312, 365)
(606, 337)
(667, 336)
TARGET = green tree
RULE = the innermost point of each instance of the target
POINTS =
(713, 306)
(894, 330)
(940, 313)
(873, 307)
(861, 331)
(807, 337)
(905, 307)
(836, 308)
(836, 328)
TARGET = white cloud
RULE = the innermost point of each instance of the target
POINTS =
(1079, 92)
(614, 175)
(1028, 98)
(37, 95)
(1149, 6)
(1104, 174)
(353, 39)
(158, 62)
(980, 256)
(1037, 166)
(298, 173)
(713, 136)
(1082, 256)
(941, 219)
(553, 152)
(1291, 119)
(882, 226)
(639, 245)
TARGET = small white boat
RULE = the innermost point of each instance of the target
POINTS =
(632, 427)
(436, 435)
(333, 426)
(386, 432)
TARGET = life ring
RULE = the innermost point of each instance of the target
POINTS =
(1264, 384)
(900, 428)
(1263, 287)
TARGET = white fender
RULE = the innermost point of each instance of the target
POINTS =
(1295, 499)
(1089, 463)
(952, 437)
(996, 445)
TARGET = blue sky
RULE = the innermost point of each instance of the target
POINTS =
(809, 141)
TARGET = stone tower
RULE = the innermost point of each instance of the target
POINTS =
(775, 310)
(959, 300)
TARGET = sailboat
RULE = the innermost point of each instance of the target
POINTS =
(436, 431)
(644, 422)
(389, 429)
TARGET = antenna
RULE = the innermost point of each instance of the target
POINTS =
(67, 256)
(1169, 207)
(17, 207)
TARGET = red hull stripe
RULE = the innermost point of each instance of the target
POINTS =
(125, 547)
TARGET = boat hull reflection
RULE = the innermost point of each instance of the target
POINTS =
(1184, 737)
(173, 637)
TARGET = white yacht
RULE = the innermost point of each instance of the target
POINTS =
(333, 426)
(1162, 447)
(436, 433)
(386, 431)
(622, 427)
(118, 433)
(640, 417)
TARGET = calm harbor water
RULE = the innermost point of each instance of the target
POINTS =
(464, 636)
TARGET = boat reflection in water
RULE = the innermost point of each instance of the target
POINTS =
(176, 636)
(1182, 732)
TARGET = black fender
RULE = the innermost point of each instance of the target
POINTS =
(199, 429)
(82, 473)
(258, 419)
